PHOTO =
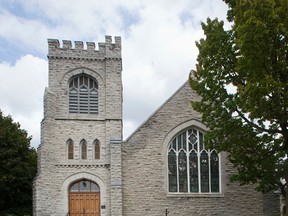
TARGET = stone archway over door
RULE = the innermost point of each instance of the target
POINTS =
(84, 199)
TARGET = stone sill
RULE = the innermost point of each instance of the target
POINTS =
(196, 195)
(85, 117)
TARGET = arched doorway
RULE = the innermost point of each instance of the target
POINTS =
(84, 198)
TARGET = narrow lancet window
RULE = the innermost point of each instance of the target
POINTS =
(96, 145)
(70, 149)
(83, 148)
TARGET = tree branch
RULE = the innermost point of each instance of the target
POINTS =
(255, 125)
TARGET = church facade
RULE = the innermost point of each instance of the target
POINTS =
(163, 168)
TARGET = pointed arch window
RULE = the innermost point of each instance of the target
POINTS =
(83, 94)
(192, 168)
(96, 146)
(70, 149)
(83, 149)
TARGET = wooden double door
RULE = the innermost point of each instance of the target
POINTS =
(84, 203)
(84, 198)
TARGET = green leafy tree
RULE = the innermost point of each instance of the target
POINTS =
(242, 77)
(17, 168)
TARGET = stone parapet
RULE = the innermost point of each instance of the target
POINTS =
(107, 49)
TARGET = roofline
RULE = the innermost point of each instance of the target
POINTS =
(166, 101)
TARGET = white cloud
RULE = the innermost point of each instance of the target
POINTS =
(158, 39)
(21, 92)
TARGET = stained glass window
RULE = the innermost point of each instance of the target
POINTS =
(172, 170)
(214, 163)
(204, 165)
(182, 171)
(192, 168)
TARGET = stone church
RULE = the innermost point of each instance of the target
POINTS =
(85, 168)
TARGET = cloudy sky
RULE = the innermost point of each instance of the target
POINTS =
(158, 49)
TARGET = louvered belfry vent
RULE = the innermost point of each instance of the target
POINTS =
(83, 95)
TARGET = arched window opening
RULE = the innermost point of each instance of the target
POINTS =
(70, 149)
(191, 167)
(83, 94)
(96, 145)
(84, 186)
(83, 149)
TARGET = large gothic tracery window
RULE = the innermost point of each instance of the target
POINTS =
(191, 167)
(83, 94)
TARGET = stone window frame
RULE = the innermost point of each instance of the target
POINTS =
(64, 82)
(83, 146)
(70, 142)
(96, 149)
(85, 101)
(192, 123)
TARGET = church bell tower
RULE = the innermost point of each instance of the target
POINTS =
(79, 158)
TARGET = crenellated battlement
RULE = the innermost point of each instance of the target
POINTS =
(105, 49)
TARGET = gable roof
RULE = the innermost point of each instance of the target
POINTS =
(157, 110)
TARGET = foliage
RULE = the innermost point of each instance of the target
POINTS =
(242, 77)
(17, 168)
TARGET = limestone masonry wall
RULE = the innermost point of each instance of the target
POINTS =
(55, 171)
(144, 159)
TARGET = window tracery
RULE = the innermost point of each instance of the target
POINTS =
(192, 168)
(83, 94)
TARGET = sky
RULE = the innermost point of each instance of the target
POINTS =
(158, 49)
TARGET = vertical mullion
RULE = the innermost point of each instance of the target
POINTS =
(88, 96)
(219, 173)
(199, 164)
(78, 94)
(177, 165)
(209, 170)
(168, 185)
(188, 160)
